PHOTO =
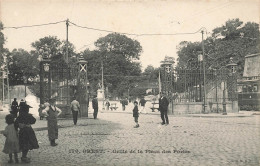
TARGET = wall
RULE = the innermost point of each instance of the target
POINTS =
(197, 108)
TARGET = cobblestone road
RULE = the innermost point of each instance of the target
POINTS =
(112, 140)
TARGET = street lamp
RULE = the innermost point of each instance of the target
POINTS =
(25, 82)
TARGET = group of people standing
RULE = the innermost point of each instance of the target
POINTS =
(163, 108)
(20, 136)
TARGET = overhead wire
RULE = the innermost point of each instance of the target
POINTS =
(37, 25)
(135, 34)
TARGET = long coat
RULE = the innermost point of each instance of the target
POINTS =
(95, 104)
(135, 112)
(52, 123)
(27, 137)
(163, 104)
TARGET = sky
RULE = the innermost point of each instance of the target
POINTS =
(123, 16)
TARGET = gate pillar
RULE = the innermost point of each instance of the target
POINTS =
(45, 79)
(166, 68)
(232, 84)
(82, 94)
(167, 79)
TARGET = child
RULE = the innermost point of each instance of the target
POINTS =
(41, 107)
(27, 138)
(11, 143)
(136, 114)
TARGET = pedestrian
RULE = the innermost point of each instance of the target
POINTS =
(14, 108)
(107, 104)
(95, 106)
(136, 114)
(12, 142)
(46, 103)
(22, 104)
(124, 102)
(142, 103)
(52, 112)
(27, 137)
(163, 108)
(41, 107)
(75, 108)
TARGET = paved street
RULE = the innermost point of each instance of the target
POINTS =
(112, 140)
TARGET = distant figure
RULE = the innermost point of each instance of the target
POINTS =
(46, 104)
(136, 114)
(41, 107)
(107, 104)
(124, 102)
(14, 108)
(27, 137)
(163, 108)
(142, 103)
(75, 108)
(22, 105)
(12, 142)
(95, 106)
(52, 112)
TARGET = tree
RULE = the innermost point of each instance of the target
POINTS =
(119, 44)
(54, 48)
(2, 42)
(22, 65)
(118, 54)
(234, 39)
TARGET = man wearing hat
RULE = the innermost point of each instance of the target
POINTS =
(14, 107)
(163, 108)
(52, 112)
(95, 106)
(75, 108)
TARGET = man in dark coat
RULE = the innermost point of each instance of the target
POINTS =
(142, 103)
(95, 106)
(163, 108)
(14, 108)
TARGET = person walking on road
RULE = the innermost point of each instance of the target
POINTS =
(163, 108)
(52, 112)
(142, 103)
(95, 106)
(136, 114)
(75, 108)
(107, 104)
(14, 108)
(124, 102)
(27, 137)
(12, 142)
(41, 107)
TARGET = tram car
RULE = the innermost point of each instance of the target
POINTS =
(249, 94)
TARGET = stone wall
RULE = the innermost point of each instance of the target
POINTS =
(197, 108)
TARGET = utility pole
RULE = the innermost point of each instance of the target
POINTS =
(204, 74)
(3, 79)
(67, 41)
(67, 59)
(8, 87)
(102, 79)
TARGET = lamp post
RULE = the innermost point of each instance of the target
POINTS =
(204, 74)
(25, 82)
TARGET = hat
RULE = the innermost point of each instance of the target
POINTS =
(52, 100)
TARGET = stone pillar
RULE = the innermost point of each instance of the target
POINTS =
(167, 79)
(45, 79)
(82, 94)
